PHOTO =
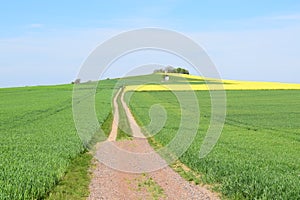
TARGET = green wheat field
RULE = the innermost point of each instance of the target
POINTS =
(256, 157)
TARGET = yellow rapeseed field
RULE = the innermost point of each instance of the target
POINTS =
(214, 85)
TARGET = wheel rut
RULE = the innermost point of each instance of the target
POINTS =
(131, 182)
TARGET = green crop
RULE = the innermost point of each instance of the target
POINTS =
(38, 138)
(257, 155)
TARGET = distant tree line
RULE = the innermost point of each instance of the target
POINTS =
(170, 69)
(78, 81)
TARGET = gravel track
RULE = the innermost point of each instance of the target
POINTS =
(109, 183)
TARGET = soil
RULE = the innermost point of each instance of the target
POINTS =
(124, 176)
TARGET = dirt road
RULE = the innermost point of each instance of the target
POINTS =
(108, 183)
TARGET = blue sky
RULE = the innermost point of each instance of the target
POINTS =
(46, 42)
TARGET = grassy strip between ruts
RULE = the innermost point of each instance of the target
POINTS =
(124, 129)
(75, 183)
(147, 183)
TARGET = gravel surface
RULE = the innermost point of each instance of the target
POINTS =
(124, 169)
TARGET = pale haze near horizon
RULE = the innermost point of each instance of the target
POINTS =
(46, 43)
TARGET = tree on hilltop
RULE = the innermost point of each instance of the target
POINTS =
(170, 69)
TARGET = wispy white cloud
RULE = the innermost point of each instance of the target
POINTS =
(262, 55)
(262, 52)
(36, 25)
(285, 17)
